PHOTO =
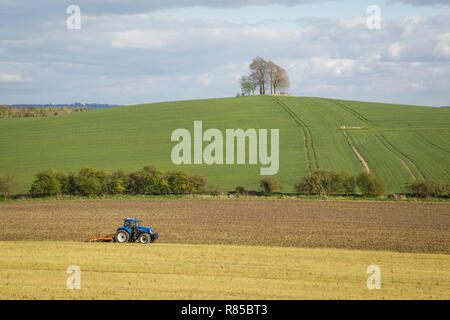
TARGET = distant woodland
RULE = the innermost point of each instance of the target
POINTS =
(25, 112)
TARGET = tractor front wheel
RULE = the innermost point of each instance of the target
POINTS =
(122, 236)
(144, 238)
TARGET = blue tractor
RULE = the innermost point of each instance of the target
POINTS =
(132, 231)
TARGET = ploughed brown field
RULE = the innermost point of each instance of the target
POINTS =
(394, 226)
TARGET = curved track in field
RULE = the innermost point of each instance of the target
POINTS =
(400, 155)
(361, 159)
(311, 157)
(437, 147)
(350, 110)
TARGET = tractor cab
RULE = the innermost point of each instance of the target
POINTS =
(131, 223)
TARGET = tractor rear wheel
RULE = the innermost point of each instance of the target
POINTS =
(122, 236)
(144, 238)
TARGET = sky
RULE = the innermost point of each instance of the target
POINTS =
(132, 52)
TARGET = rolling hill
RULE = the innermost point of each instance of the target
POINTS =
(398, 143)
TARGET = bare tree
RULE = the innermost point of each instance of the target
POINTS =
(258, 69)
(280, 80)
(272, 70)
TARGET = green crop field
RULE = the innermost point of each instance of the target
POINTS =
(398, 143)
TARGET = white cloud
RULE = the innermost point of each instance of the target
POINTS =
(395, 50)
(442, 48)
(337, 66)
(205, 80)
(11, 78)
(411, 24)
(353, 22)
(417, 86)
(319, 67)
(420, 2)
(147, 39)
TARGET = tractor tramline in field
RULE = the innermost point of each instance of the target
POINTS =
(130, 232)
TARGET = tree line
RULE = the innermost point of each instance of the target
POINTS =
(149, 180)
(91, 182)
(266, 76)
(327, 182)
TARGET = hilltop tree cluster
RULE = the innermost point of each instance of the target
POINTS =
(265, 76)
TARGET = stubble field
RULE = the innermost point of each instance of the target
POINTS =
(37, 270)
